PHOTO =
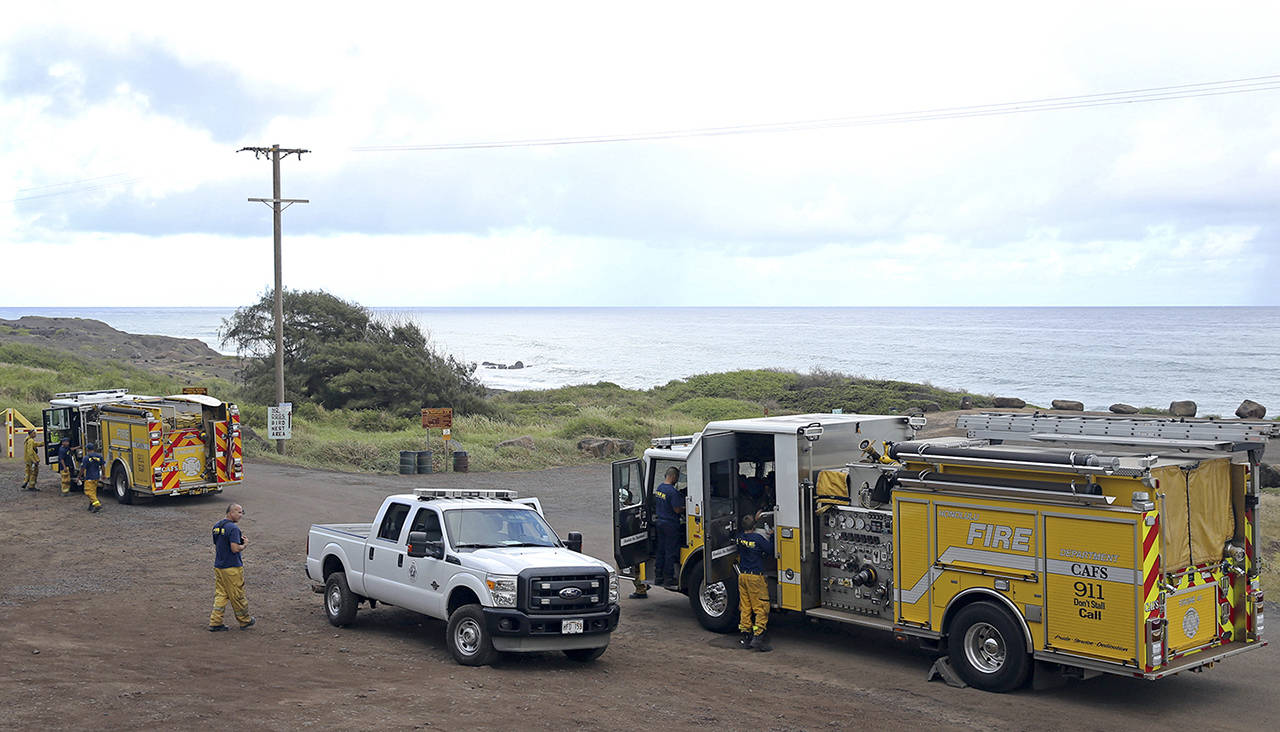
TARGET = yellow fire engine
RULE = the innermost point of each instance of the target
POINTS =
(152, 446)
(1080, 545)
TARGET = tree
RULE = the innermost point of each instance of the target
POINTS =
(339, 355)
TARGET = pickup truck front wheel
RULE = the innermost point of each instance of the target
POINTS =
(468, 640)
(339, 601)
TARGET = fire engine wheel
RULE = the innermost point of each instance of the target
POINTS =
(120, 482)
(987, 648)
(339, 601)
(715, 605)
(467, 637)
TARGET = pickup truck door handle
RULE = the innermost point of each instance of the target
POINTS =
(399, 560)
(371, 552)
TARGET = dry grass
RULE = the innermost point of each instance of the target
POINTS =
(1268, 538)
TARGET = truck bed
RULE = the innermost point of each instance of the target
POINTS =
(356, 531)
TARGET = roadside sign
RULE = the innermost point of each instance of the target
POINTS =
(437, 418)
(195, 390)
(280, 422)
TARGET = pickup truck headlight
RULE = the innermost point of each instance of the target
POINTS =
(613, 588)
(502, 588)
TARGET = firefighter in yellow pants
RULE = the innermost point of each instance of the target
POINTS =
(66, 464)
(92, 472)
(754, 547)
(31, 457)
(228, 571)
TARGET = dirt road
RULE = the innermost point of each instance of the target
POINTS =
(102, 625)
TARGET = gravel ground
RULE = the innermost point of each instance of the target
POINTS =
(102, 623)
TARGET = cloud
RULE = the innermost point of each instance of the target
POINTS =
(118, 132)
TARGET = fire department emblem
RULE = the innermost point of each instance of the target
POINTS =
(191, 467)
(1191, 623)
(413, 572)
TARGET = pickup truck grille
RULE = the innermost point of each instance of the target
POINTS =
(563, 591)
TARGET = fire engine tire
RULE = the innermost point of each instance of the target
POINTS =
(716, 608)
(467, 638)
(340, 602)
(120, 484)
(987, 648)
(584, 655)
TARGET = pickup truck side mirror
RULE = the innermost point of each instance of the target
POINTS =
(419, 546)
(574, 542)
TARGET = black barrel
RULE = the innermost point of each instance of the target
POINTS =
(408, 462)
(460, 461)
(424, 461)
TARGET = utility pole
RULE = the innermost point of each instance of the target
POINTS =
(275, 152)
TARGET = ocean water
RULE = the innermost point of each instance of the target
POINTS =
(1141, 356)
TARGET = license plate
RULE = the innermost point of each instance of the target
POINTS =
(571, 626)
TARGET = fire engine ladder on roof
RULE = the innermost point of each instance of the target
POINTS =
(1152, 432)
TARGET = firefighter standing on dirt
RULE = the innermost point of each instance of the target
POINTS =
(32, 459)
(228, 571)
(753, 594)
(66, 464)
(92, 472)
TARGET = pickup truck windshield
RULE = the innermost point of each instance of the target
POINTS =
(480, 528)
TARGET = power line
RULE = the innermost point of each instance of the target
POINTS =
(1045, 104)
(73, 191)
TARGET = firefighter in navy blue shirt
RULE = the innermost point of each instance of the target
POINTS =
(668, 504)
(755, 550)
(92, 472)
(228, 571)
(66, 464)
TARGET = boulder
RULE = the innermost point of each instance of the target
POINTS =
(1249, 409)
(931, 406)
(914, 412)
(524, 441)
(1009, 402)
(1269, 475)
(1068, 405)
(966, 402)
(1184, 408)
(249, 437)
(606, 446)
(1123, 409)
(518, 365)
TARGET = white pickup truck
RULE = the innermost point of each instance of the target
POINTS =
(483, 560)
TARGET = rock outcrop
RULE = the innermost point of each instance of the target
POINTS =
(524, 441)
(606, 446)
(1124, 409)
(1009, 402)
(1068, 405)
(1184, 408)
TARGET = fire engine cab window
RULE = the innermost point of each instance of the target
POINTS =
(429, 522)
(393, 521)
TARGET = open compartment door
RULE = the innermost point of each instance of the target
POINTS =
(632, 544)
(59, 422)
(720, 478)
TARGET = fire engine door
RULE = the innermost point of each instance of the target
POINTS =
(59, 422)
(632, 545)
(720, 482)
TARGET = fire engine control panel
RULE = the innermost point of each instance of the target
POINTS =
(856, 549)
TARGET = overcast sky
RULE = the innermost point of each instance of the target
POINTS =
(120, 184)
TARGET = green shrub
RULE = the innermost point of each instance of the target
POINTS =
(709, 409)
